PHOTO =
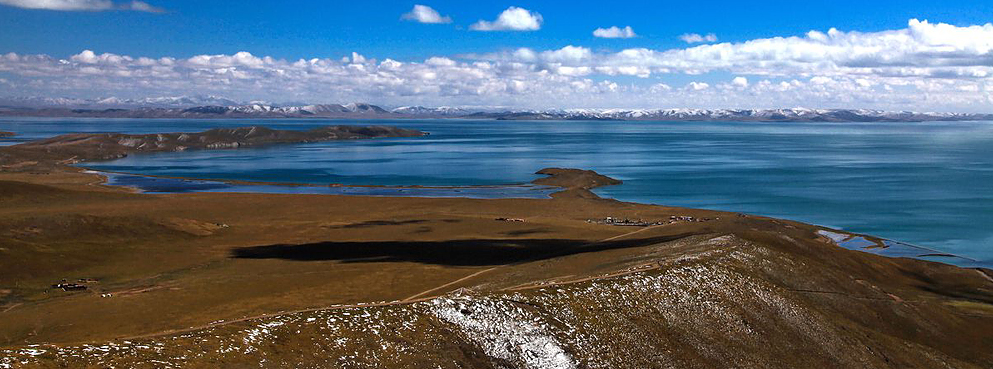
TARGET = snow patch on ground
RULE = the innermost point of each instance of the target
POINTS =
(503, 330)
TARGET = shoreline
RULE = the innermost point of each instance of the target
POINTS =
(290, 184)
(158, 185)
(881, 245)
(551, 180)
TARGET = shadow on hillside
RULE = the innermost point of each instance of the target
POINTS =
(474, 252)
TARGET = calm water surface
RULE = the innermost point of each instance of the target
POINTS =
(929, 184)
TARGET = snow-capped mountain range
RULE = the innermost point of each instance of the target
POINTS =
(116, 102)
(215, 106)
(747, 115)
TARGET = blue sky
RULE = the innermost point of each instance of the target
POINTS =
(293, 30)
(306, 29)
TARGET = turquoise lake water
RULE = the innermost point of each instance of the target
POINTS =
(928, 184)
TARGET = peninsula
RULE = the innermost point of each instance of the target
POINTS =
(104, 146)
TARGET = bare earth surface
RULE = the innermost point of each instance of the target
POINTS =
(235, 280)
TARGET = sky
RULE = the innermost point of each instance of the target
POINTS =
(890, 55)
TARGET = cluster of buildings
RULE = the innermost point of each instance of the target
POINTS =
(642, 223)
(79, 285)
(69, 286)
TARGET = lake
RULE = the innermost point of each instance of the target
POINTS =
(928, 184)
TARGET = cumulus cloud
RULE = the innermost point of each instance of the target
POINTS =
(614, 32)
(697, 86)
(923, 66)
(512, 19)
(425, 14)
(81, 5)
(693, 38)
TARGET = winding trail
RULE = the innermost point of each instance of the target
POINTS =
(522, 262)
(987, 276)
(449, 283)
(626, 234)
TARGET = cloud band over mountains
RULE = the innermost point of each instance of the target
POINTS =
(82, 5)
(923, 66)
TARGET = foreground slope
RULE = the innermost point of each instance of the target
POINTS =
(703, 301)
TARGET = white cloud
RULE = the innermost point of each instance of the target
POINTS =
(512, 19)
(659, 88)
(614, 32)
(356, 57)
(925, 66)
(61, 4)
(820, 80)
(697, 86)
(440, 62)
(569, 54)
(425, 14)
(142, 6)
(525, 54)
(692, 38)
(81, 5)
